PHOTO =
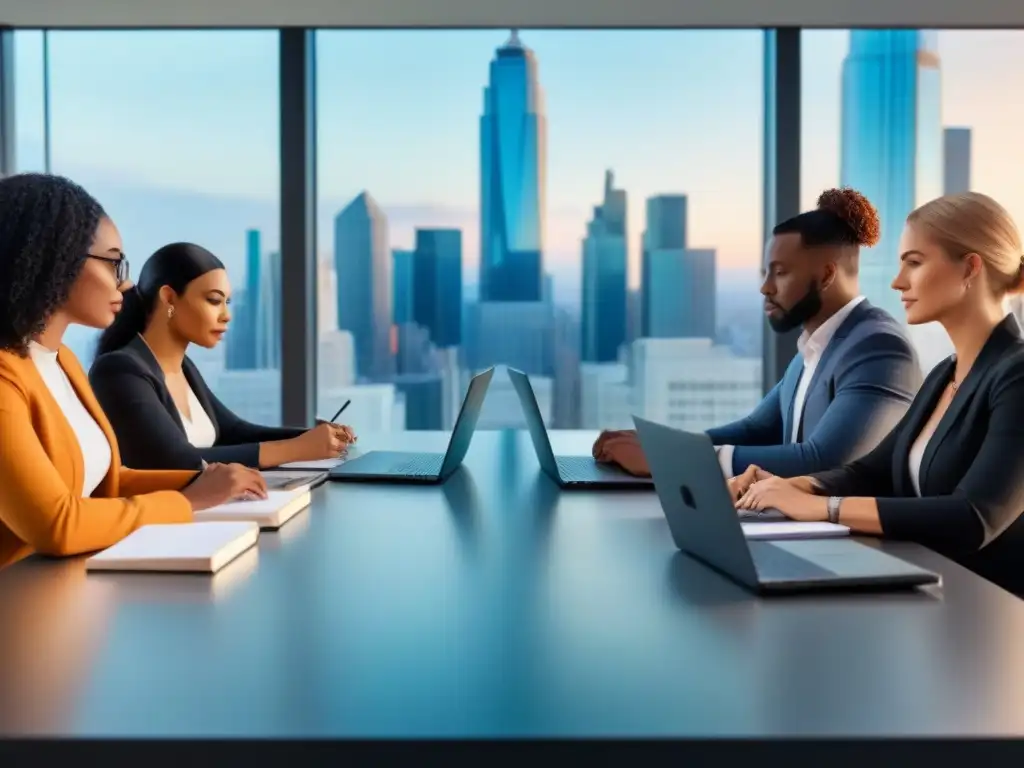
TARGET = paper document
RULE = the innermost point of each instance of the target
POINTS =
(793, 530)
(322, 464)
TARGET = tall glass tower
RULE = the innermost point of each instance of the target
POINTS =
(513, 134)
(891, 139)
(605, 266)
(362, 263)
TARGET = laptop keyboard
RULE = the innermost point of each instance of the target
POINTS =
(427, 465)
(576, 468)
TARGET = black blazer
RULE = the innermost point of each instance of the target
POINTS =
(972, 472)
(133, 392)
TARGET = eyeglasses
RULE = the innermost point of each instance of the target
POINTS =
(120, 266)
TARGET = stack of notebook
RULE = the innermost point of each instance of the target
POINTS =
(218, 536)
(270, 513)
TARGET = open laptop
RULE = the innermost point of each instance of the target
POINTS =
(567, 471)
(408, 467)
(703, 520)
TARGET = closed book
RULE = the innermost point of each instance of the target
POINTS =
(203, 547)
(270, 513)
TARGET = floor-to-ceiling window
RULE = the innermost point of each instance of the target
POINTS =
(176, 134)
(905, 116)
(585, 206)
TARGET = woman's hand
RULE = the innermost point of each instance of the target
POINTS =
(324, 441)
(786, 496)
(738, 485)
(221, 483)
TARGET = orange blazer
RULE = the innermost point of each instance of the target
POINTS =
(42, 470)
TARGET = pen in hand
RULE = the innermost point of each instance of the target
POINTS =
(351, 437)
(340, 411)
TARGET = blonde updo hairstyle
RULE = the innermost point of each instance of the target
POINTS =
(975, 223)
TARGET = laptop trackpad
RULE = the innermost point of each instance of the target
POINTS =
(845, 557)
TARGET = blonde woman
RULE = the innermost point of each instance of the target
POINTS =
(950, 475)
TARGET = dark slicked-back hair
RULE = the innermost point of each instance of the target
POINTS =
(843, 217)
(47, 224)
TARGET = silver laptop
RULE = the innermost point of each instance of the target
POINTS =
(702, 517)
(567, 471)
(407, 467)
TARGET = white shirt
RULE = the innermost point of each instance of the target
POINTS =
(914, 460)
(96, 453)
(811, 347)
(199, 429)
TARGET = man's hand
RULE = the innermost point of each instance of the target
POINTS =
(607, 435)
(622, 448)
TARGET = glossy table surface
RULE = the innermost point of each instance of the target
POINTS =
(495, 605)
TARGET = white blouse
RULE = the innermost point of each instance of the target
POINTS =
(915, 457)
(199, 429)
(96, 453)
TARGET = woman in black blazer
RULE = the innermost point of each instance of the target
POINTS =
(164, 415)
(950, 475)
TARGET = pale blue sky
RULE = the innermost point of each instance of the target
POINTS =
(669, 111)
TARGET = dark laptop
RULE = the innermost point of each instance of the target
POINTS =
(568, 471)
(703, 520)
(407, 467)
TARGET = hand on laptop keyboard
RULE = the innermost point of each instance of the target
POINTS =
(765, 515)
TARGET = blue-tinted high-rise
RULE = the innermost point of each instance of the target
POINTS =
(362, 263)
(402, 275)
(437, 285)
(956, 177)
(268, 314)
(241, 354)
(513, 134)
(603, 305)
(891, 139)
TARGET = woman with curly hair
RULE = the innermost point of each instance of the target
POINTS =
(63, 490)
(950, 475)
(142, 370)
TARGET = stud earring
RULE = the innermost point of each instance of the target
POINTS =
(170, 312)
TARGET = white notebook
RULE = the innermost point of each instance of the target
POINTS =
(272, 512)
(323, 464)
(202, 547)
(320, 464)
(794, 530)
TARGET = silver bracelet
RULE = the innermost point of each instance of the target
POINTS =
(833, 508)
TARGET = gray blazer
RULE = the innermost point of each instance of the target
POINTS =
(863, 384)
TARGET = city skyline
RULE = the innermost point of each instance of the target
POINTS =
(669, 182)
(245, 171)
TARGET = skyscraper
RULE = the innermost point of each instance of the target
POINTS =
(513, 136)
(664, 239)
(677, 283)
(268, 314)
(241, 342)
(362, 262)
(956, 147)
(437, 285)
(891, 139)
(603, 310)
(402, 275)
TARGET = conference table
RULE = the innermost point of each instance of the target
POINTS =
(495, 605)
